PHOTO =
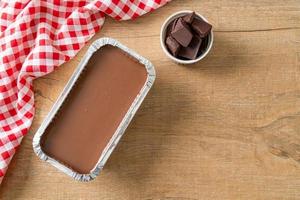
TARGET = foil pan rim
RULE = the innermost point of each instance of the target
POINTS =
(122, 126)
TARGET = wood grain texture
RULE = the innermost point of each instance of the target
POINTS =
(225, 128)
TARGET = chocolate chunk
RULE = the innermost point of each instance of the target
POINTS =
(204, 44)
(191, 51)
(182, 33)
(170, 27)
(174, 23)
(189, 18)
(172, 45)
(188, 36)
(201, 27)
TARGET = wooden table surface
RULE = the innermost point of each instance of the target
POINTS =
(225, 128)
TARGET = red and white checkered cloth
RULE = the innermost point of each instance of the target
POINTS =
(36, 36)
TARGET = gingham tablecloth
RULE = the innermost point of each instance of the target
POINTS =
(36, 36)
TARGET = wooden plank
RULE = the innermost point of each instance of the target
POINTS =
(225, 128)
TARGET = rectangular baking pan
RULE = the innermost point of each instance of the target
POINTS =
(122, 126)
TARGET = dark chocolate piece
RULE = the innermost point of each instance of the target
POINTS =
(182, 33)
(189, 18)
(187, 37)
(204, 45)
(172, 45)
(170, 27)
(201, 27)
(191, 51)
(174, 23)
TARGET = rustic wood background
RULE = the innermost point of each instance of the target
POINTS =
(225, 128)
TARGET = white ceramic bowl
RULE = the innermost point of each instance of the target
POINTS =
(163, 35)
